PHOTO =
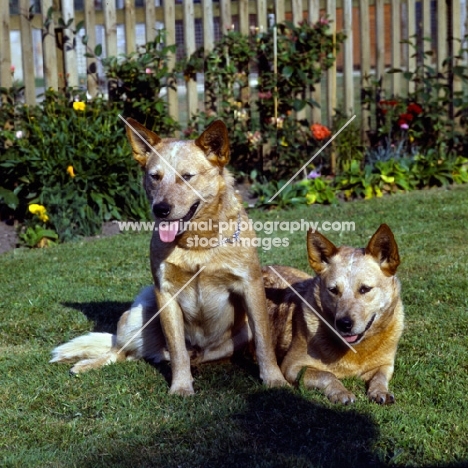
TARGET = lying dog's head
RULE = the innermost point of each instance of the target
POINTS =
(357, 289)
(182, 178)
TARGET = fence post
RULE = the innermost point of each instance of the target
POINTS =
(27, 53)
(150, 19)
(396, 46)
(189, 41)
(441, 34)
(331, 79)
(5, 54)
(69, 51)
(91, 66)
(226, 18)
(48, 46)
(262, 17)
(365, 64)
(130, 43)
(412, 57)
(314, 16)
(169, 25)
(348, 79)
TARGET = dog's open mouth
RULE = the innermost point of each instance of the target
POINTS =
(354, 339)
(168, 230)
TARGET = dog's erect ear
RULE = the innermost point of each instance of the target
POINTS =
(384, 249)
(320, 250)
(214, 142)
(141, 139)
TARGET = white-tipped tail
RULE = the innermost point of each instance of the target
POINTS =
(90, 346)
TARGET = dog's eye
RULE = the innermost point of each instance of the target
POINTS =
(364, 289)
(187, 177)
(333, 290)
(156, 176)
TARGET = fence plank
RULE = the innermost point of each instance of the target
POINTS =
(331, 79)
(110, 23)
(244, 20)
(314, 16)
(297, 11)
(169, 24)
(91, 62)
(331, 73)
(226, 17)
(49, 51)
(348, 80)
(426, 30)
(130, 39)
(69, 51)
(5, 53)
(365, 40)
(280, 13)
(189, 42)
(441, 33)
(412, 58)
(380, 39)
(262, 17)
(456, 36)
(150, 20)
(208, 31)
(27, 51)
(396, 46)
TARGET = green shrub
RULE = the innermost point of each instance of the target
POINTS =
(74, 159)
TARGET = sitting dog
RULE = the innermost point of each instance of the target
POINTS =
(208, 299)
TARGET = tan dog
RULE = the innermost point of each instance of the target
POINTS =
(211, 297)
(357, 292)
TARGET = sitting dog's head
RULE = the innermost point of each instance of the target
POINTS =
(182, 178)
(358, 287)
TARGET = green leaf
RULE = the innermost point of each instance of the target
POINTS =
(9, 197)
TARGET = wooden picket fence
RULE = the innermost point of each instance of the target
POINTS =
(375, 30)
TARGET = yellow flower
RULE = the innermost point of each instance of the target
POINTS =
(79, 106)
(39, 211)
(71, 171)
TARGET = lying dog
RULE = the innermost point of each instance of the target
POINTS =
(211, 298)
(357, 293)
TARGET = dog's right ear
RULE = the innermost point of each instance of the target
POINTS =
(320, 250)
(384, 249)
(214, 142)
(141, 139)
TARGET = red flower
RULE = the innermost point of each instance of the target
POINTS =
(414, 108)
(320, 132)
(405, 119)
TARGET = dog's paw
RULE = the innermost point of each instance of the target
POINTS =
(274, 383)
(381, 398)
(182, 390)
(342, 396)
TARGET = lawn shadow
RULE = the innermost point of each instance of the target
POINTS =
(105, 314)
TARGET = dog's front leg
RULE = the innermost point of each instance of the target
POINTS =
(172, 322)
(377, 386)
(258, 319)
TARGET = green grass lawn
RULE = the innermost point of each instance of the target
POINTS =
(121, 415)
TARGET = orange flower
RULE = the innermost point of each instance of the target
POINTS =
(320, 132)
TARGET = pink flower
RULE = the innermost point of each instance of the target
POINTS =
(148, 71)
(264, 95)
(404, 126)
(12, 69)
(324, 20)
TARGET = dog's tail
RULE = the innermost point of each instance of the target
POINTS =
(91, 351)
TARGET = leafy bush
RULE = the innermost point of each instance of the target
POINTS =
(274, 144)
(72, 157)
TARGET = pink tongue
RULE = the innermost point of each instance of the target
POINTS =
(351, 339)
(168, 230)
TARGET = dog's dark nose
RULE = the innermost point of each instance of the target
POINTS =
(344, 324)
(162, 210)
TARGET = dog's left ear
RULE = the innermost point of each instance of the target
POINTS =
(320, 250)
(214, 142)
(384, 249)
